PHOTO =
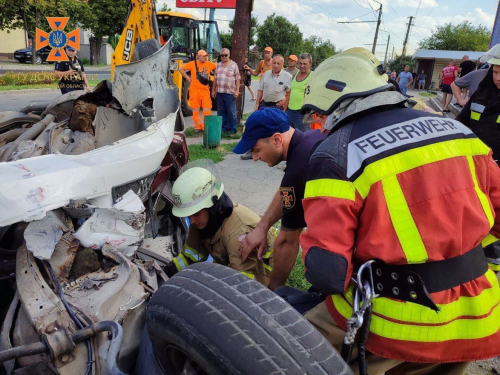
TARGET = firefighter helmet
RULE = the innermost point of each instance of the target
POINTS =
(197, 187)
(350, 74)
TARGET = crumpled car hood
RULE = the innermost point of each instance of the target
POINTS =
(147, 78)
(31, 187)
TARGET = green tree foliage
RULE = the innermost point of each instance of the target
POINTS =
(226, 39)
(107, 18)
(284, 37)
(318, 48)
(165, 8)
(30, 14)
(399, 66)
(254, 24)
(461, 37)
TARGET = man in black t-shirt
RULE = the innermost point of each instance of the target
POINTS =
(72, 73)
(271, 140)
(466, 66)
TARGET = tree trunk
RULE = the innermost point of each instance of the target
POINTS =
(239, 46)
(33, 39)
(95, 50)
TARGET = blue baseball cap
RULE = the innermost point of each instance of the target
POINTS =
(262, 124)
(70, 48)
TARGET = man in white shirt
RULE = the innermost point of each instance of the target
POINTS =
(274, 86)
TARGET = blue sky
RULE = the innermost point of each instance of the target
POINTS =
(320, 17)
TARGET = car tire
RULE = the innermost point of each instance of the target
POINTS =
(210, 319)
(146, 48)
(186, 109)
(39, 60)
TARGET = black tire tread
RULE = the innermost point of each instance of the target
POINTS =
(146, 48)
(261, 327)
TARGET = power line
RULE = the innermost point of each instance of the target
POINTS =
(418, 8)
(361, 6)
(435, 3)
(396, 35)
(326, 10)
(395, 11)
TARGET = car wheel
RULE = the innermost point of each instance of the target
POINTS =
(209, 319)
(39, 59)
(146, 48)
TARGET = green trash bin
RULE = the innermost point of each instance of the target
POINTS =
(212, 133)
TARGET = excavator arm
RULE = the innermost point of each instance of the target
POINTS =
(141, 25)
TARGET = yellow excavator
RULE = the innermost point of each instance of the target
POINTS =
(146, 30)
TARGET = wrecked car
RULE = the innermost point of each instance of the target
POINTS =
(85, 215)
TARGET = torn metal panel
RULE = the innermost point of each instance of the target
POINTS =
(37, 185)
(111, 126)
(42, 308)
(144, 79)
(159, 248)
(41, 236)
(121, 226)
(64, 254)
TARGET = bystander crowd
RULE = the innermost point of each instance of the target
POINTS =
(199, 89)
(291, 62)
(296, 97)
(226, 89)
(446, 78)
(405, 79)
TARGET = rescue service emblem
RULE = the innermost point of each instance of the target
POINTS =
(177, 199)
(287, 197)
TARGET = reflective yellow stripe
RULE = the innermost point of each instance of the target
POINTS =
(406, 160)
(268, 254)
(482, 197)
(248, 274)
(180, 262)
(475, 115)
(326, 187)
(192, 254)
(268, 267)
(402, 221)
(488, 240)
(449, 322)
(498, 119)
(494, 267)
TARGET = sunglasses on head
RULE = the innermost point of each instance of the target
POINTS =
(226, 55)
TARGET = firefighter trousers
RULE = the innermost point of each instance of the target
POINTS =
(200, 99)
(321, 319)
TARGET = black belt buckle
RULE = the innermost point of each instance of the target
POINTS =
(396, 282)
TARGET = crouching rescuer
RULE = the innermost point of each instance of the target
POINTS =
(397, 203)
(217, 226)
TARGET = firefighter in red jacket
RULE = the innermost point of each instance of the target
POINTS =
(408, 196)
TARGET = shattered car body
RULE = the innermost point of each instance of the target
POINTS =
(85, 218)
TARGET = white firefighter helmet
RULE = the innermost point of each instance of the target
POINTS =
(197, 187)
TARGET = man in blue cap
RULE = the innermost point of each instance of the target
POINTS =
(270, 139)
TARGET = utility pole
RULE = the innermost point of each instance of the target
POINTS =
(406, 38)
(387, 49)
(392, 55)
(241, 35)
(378, 25)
